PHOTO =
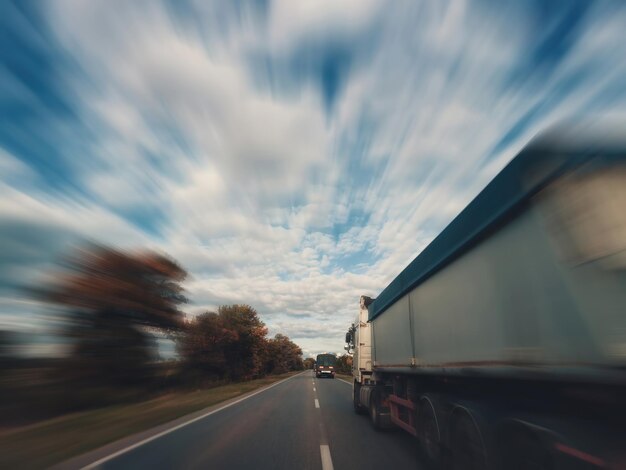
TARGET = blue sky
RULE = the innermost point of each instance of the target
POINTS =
(292, 155)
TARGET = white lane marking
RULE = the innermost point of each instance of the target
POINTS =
(345, 382)
(327, 462)
(317, 403)
(175, 428)
(313, 388)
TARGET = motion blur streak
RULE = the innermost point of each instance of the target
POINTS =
(262, 163)
(296, 151)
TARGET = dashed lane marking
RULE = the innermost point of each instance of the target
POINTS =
(327, 461)
(317, 403)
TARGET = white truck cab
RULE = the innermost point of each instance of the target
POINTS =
(359, 339)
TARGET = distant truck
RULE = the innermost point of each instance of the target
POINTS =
(325, 365)
(503, 344)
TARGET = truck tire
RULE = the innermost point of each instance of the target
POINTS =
(380, 420)
(466, 450)
(356, 399)
(428, 435)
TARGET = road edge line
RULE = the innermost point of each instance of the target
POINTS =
(181, 425)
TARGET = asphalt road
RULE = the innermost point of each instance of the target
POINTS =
(301, 423)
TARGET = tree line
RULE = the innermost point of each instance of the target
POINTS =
(232, 344)
(115, 308)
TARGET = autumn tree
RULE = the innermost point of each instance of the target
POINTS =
(245, 355)
(232, 344)
(309, 363)
(283, 355)
(344, 364)
(203, 347)
(116, 300)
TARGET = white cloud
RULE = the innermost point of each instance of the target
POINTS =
(291, 22)
(14, 170)
(265, 196)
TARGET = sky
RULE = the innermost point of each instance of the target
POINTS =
(291, 155)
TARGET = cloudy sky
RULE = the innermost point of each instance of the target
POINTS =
(291, 155)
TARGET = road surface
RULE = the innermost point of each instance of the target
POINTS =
(301, 423)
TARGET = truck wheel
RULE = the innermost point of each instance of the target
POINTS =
(466, 449)
(428, 431)
(380, 420)
(356, 399)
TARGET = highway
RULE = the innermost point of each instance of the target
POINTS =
(301, 423)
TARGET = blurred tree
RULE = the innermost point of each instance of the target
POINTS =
(203, 345)
(7, 343)
(245, 354)
(309, 363)
(116, 299)
(344, 364)
(232, 344)
(283, 355)
(8, 347)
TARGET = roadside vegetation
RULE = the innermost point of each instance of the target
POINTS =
(48, 442)
(110, 310)
(343, 367)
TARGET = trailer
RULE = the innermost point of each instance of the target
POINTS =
(503, 344)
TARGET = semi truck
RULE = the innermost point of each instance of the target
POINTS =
(325, 365)
(502, 345)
